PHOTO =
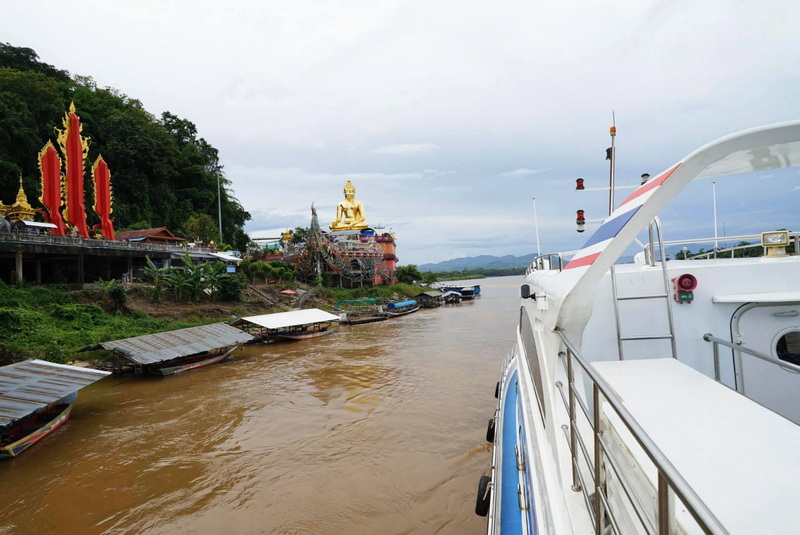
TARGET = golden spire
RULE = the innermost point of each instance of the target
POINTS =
(22, 208)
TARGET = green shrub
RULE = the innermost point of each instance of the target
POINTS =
(230, 288)
(117, 294)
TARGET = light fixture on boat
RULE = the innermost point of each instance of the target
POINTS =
(775, 242)
(645, 178)
(683, 288)
(579, 184)
(525, 292)
(580, 220)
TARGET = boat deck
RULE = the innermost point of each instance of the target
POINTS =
(739, 457)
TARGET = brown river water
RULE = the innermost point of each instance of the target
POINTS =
(376, 429)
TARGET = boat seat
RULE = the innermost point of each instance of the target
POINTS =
(739, 457)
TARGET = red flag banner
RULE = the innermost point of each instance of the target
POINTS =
(75, 147)
(102, 197)
(50, 170)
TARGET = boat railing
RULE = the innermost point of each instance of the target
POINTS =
(740, 348)
(716, 251)
(548, 261)
(670, 481)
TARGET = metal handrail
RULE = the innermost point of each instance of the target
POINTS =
(25, 237)
(737, 346)
(792, 235)
(538, 263)
(668, 476)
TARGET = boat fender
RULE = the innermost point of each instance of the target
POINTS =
(484, 496)
(490, 431)
(497, 390)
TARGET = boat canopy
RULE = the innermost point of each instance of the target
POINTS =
(159, 347)
(31, 385)
(356, 302)
(401, 304)
(282, 320)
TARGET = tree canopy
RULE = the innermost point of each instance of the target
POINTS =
(162, 172)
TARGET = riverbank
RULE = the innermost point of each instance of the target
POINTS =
(53, 324)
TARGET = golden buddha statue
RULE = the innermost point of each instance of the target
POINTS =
(349, 212)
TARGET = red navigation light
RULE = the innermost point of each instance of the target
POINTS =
(580, 220)
(579, 184)
(683, 287)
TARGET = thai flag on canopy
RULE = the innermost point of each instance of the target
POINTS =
(598, 241)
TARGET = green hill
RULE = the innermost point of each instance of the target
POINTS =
(163, 173)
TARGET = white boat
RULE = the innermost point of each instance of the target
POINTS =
(657, 396)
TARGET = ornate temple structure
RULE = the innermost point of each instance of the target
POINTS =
(63, 193)
(351, 255)
(20, 210)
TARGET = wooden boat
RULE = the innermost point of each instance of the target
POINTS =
(467, 292)
(206, 359)
(28, 431)
(36, 398)
(358, 317)
(305, 336)
(294, 325)
(402, 308)
(171, 352)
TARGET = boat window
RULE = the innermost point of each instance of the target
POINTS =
(788, 347)
(532, 356)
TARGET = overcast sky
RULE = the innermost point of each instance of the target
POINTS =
(449, 117)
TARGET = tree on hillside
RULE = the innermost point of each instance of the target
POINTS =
(408, 274)
(162, 171)
(201, 228)
(26, 59)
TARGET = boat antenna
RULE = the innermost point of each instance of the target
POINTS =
(536, 224)
(611, 155)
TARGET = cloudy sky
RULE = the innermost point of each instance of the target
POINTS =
(449, 116)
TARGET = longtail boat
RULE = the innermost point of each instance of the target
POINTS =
(201, 361)
(401, 308)
(305, 336)
(28, 431)
(36, 398)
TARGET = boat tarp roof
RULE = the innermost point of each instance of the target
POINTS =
(294, 318)
(154, 348)
(430, 293)
(401, 304)
(31, 385)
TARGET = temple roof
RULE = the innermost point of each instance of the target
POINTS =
(158, 234)
(22, 208)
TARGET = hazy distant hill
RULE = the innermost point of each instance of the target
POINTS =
(476, 262)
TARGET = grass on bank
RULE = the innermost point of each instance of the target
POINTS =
(50, 323)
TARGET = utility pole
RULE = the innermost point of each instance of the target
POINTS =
(219, 206)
